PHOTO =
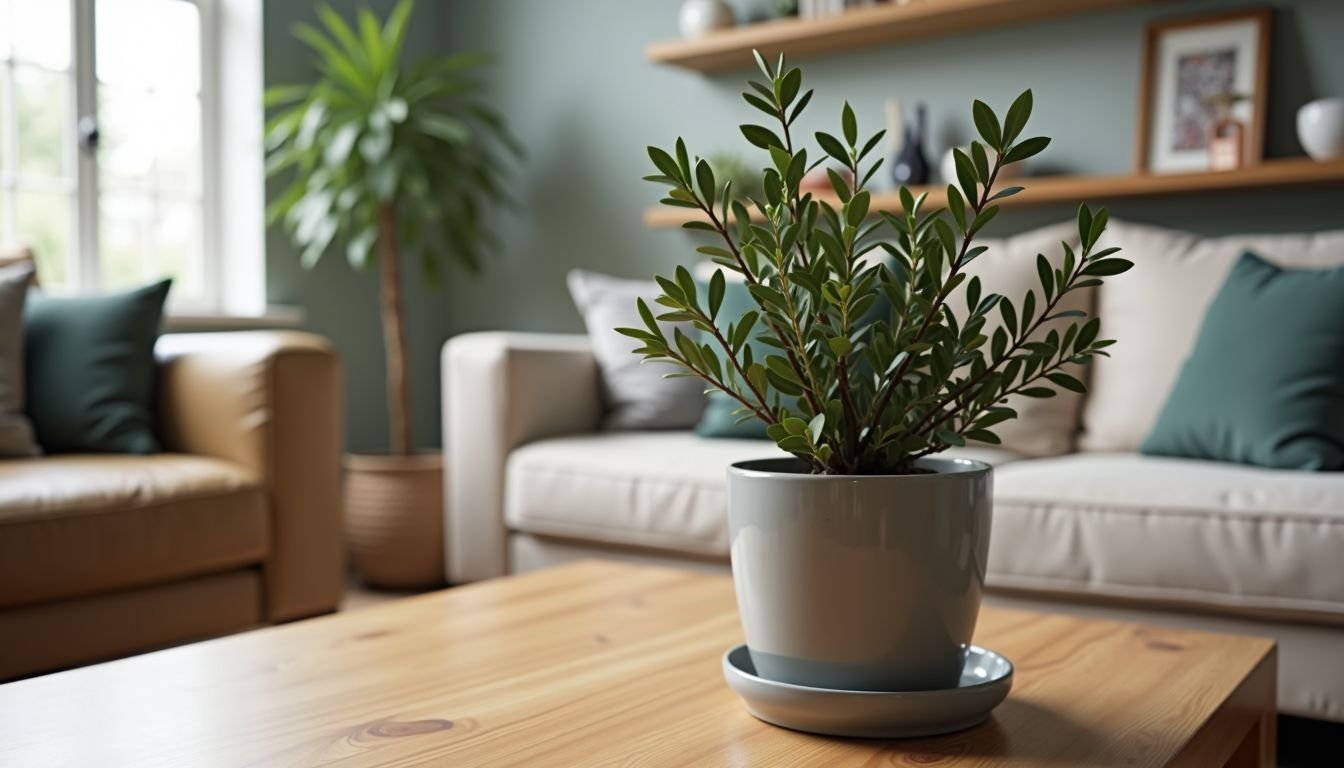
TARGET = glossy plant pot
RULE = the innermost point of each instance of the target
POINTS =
(868, 583)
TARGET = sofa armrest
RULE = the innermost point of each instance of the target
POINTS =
(502, 390)
(269, 401)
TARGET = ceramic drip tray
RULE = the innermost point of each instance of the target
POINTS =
(986, 678)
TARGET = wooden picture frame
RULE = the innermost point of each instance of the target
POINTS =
(1183, 61)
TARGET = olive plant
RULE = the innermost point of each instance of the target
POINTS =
(844, 391)
(386, 156)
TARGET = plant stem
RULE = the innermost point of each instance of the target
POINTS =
(394, 333)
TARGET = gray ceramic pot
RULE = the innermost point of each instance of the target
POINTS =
(865, 583)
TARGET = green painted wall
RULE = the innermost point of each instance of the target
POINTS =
(572, 77)
(340, 302)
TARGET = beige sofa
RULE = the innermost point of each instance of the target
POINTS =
(236, 526)
(1082, 522)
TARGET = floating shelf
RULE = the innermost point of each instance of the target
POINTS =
(1097, 190)
(860, 28)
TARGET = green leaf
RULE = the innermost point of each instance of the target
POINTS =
(1017, 117)
(1027, 148)
(1107, 267)
(789, 86)
(857, 209)
(664, 162)
(1009, 317)
(1046, 274)
(1066, 381)
(849, 125)
(761, 136)
(957, 205)
(704, 176)
(717, 285)
(815, 426)
(832, 146)
(795, 426)
(966, 175)
(1038, 392)
(840, 345)
(987, 124)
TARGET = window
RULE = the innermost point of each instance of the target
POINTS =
(105, 146)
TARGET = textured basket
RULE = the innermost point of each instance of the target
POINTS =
(394, 519)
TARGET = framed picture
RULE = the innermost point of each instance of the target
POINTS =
(1202, 92)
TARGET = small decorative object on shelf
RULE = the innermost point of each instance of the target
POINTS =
(859, 558)
(1190, 66)
(1227, 134)
(808, 9)
(779, 9)
(909, 166)
(701, 17)
(1320, 128)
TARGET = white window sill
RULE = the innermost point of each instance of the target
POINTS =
(273, 317)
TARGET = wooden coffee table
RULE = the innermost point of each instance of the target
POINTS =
(598, 663)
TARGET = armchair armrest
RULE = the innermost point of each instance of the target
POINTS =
(502, 390)
(269, 401)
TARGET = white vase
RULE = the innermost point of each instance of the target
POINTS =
(700, 17)
(1320, 128)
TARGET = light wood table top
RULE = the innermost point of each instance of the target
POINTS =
(602, 664)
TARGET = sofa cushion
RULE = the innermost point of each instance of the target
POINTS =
(1264, 384)
(659, 490)
(1045, 426)
(1154, 312)
(80, 525)
(1223, 537)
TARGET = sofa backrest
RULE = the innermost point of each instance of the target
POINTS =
(1154, 312)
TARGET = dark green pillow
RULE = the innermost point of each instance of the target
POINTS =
(1264, 383)
(91, 371)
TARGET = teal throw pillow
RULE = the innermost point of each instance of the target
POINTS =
(1264, 384)
(91, 371)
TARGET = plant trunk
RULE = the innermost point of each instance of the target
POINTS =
(394, 333)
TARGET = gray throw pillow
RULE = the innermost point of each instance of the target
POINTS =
(16, 431)
(635, 394)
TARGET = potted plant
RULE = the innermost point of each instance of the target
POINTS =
(859, 560)
(386, 158)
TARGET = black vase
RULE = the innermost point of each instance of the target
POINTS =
(909, 167)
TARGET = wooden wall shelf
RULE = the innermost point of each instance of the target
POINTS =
(1099, 190)
(859, 28)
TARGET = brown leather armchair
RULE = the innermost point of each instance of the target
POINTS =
(235, 526)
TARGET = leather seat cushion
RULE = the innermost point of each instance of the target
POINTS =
(80, 525)
(658, 490)
(1224, 537)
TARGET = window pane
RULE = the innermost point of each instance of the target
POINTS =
(6, 24)
(4, 118)
(125, 138)
(123, 240)
(42, 102)
(127, 54)
(176, 241)
(44, 223)
(41, 32)
(7, 237)
(178, 145)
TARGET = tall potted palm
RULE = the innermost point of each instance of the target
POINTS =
(386, 157)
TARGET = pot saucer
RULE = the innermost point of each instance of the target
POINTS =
(986, 679)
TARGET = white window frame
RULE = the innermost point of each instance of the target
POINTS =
(84, 55)
(232, 191)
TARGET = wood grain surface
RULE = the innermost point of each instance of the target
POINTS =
(605, 664)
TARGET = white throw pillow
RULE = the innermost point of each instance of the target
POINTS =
(1044, 427)
(1154, 312)
(635, 394)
